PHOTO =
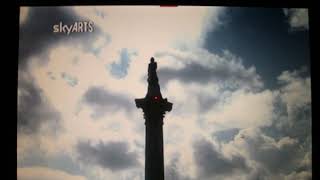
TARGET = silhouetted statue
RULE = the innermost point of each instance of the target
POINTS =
(153, 82)
(152, 71)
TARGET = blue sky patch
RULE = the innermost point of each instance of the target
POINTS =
(119, 69)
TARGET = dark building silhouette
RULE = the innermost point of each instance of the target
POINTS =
(154, 108)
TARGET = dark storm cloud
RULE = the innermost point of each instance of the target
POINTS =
(37, 158)
(226, 135)
(276, 156)
(36, 33)
(285, 146)
(291, 157)
(112, 155)
(206, 102)
(101, 100)
(277, 160)
(297, 124)
(211, 163)
(222, 74)
(294, 120)
(33, 107)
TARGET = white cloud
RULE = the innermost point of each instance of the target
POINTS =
(273, 156)
(212, 21)
(150, 27)
(306, 161)
(197, 65)
(23, 14)
(41, 173)
(295, 95)
(299, 175)
(243, 109)
(62, 59)
(296, 91)
(239, 100)
(298, 18)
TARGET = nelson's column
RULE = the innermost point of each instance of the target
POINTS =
(154, 108)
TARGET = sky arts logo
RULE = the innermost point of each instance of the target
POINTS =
(76, 27)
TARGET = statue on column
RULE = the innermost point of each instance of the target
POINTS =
(153, 82)
(152, 71)
(154, 108)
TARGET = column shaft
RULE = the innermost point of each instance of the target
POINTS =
(154, 161)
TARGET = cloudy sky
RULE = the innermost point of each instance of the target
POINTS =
(238, 78)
